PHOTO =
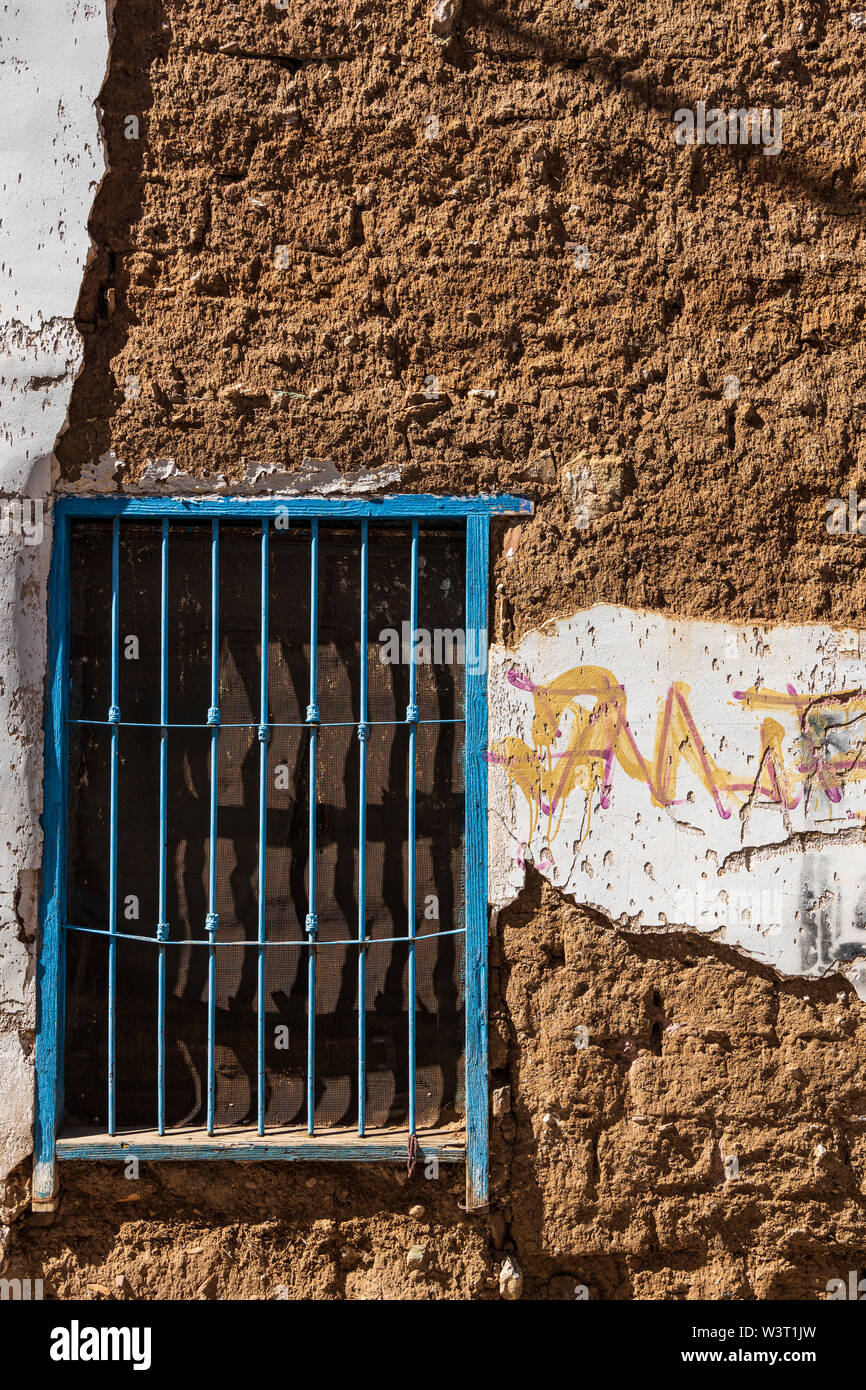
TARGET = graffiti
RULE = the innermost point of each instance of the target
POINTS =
(575, 748)
(678, 773)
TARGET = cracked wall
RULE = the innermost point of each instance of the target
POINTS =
(346, 247)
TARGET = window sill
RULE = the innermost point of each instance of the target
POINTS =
(447, 1145)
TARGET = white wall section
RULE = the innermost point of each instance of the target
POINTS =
(53, 59)
(684, 773)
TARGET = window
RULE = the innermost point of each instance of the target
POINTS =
(264, 928)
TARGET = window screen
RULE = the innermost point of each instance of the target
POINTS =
(182, 1021)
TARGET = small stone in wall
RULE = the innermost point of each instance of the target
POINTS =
(594, 487)
(511, 540)
(416, 1257)
(497, 1229)
(511, 1278)
(208, 1287)
(236, 391)
(501, 1101)
(443, 17)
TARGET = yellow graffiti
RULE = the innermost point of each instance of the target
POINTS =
(575, 747)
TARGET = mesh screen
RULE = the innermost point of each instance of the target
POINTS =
(438, 906)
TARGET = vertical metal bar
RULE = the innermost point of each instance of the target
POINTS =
(212, 921)
(312, 922)
(113, 719)
(412, 718)
(162, 924)
(363, 734)
(264, 735)
(51, 961)
(475, 862)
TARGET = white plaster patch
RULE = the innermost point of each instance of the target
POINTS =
(681, 773)
(52, 65)
(320, 477)
(16, 1069)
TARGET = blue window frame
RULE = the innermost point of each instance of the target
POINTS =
(470, 518)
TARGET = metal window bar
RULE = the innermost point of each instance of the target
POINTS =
(212, 919)
(113, 719)
(264, 737)
(412, 721)
(271, 945)
(162, 924)
(254, 724)
(312, 922)
(363, 735)
(475, 513)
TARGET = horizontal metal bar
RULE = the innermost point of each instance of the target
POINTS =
(254, 724)
(369, 1150)
(406, 507)
(203, 941)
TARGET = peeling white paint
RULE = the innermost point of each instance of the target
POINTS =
(162, 476)
(645, 767)
(53, 60)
